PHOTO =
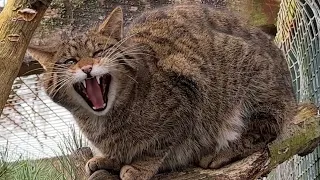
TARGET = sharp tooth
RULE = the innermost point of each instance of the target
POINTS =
(94, 108)
(98, 79)
(84, 83)
(104, 105)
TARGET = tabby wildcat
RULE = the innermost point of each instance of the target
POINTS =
(180, 85)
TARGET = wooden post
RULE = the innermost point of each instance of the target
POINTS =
(18, 21)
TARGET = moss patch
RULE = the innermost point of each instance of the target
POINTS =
(282, 151)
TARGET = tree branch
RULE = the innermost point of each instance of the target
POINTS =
(18, 21)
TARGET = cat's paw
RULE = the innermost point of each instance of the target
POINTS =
(130, 173)
(91, 166)
(103, 175)
(98, 163)
(213, 162)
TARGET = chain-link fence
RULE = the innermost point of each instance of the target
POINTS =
(32, 126)
(299, 38)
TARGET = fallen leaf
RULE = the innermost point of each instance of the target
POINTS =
(27, 14)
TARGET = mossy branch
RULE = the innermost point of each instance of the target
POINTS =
(18, 21)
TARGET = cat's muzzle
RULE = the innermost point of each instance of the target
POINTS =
(94, 91)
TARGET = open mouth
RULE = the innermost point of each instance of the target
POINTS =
(94, 91)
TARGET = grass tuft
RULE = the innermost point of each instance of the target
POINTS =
(62, 167)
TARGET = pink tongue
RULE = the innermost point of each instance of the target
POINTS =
(94, 93)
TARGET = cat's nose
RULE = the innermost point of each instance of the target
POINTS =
(87, 69)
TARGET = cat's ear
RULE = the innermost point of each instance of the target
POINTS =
(113, 25)
(44, 55)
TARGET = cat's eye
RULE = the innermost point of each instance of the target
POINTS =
(98, 53)
(70, 61)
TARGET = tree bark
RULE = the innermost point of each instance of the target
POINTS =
(18, 21)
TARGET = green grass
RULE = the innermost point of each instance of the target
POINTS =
(32, 170)
(61, 167)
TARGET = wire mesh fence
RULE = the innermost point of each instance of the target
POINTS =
(299, 38)
(32, 126)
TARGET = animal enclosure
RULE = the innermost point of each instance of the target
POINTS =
(33, 127)
(299, 38)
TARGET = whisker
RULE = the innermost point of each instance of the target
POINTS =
(116, 55)
(58, 65)
(107, 41)
(61, 84)
(131, 48)
(59, 81)
(131, 52)
(42, 72)
(56, 72)
(126, 75)
(68, 86)
(60, 75)
(66, 83)
(36, 69)
(118, 61)
(113, 65)
(137, 53)
(46, 81)
(61, 68)
(117, 45)
(56, 84)
(119, 57)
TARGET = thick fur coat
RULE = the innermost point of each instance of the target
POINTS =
(183, 84)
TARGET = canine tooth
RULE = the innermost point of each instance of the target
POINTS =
(98, 79)
(84, 84)
(94, 108)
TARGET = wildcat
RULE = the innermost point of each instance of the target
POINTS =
(178, 86)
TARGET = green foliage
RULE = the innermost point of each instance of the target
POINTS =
(5, 167)
(35, 170)
(27, 169)
(72, 142)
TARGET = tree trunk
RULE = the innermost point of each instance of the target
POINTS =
(18, 21)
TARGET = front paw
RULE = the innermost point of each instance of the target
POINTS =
(214, 162)
(99, 163)
(128, 172)
(103, 175)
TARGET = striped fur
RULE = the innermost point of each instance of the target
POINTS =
(191, 82)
